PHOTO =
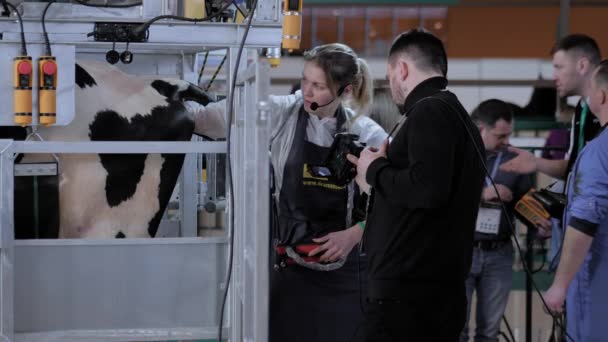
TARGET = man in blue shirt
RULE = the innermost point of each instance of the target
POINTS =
(582, 275)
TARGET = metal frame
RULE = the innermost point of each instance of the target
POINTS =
(249, 310)
(252, 197)
(50, 303)
(6, 241)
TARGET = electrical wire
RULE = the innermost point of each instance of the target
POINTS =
(47, 43)
(200, 73)
(6, 12)
(544, 260)
(508, 328)
(238, 8)
(215, 73)
(500, 333)
(229, 166)
(23, 44)
(219, 12)
(87, 3)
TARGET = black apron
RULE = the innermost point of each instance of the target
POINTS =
(308, 305)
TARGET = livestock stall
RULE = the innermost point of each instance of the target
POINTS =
(138, 289)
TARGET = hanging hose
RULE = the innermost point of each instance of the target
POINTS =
(215, 74)
(200, 73)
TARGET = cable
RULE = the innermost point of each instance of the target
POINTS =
(544, 260)
(46, 35)
(6, 12)
(508, 328)
(500, 333)
(86, 3)
(147, 24)
(238, 8)
(200, 73)
(215, 73)
(5, 3)
(229, 165)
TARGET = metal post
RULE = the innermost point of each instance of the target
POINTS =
(188, 198)
(529, 260)
(6, 242)
(564, 18)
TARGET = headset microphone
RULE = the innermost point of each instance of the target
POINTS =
(314, 106)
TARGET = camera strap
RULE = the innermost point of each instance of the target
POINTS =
(494, 169)
(403, 118)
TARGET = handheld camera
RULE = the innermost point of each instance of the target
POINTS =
(336, 167)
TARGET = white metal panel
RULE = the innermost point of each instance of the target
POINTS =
(118, 285)
(252, 223)
(6, 241)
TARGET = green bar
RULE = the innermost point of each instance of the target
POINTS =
(543, 279)
(380, 2)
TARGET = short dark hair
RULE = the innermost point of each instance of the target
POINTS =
(601, 76)
(423, 48)
(490, 111)
(581, 44)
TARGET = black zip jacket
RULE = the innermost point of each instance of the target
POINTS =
(426, 197)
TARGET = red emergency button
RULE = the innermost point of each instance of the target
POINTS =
(49, 68)
(24, 68)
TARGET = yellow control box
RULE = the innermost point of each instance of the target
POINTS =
(22, 96)
(47, 90)
(292, 24)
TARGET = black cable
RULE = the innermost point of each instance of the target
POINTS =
(544, 260)
(5, 10)
(500, 333)
(5, 3)
(200, 73)
(217, 71)
(46, 35)
(147, 24)
(86, 3)
(229, 165)
(238, 8)
(508, 328)
(511, 226)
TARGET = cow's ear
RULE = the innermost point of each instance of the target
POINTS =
(196, 94)
(83, 78)
(165, 88)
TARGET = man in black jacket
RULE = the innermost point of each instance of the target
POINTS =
(426, 187)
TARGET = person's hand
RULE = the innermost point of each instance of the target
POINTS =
(524, 163)
(209, 120)
(489, 194)
(367, 156)
(362, 183)
(555, 298)
(544, 228)
(337, 245)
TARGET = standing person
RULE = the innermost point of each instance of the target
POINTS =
(582, 275)
(309, 304)
(426, 186)
(574, 59)
(492, 268)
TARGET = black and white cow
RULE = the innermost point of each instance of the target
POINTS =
(118, 195)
